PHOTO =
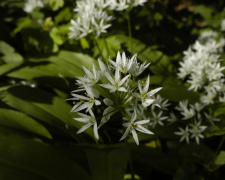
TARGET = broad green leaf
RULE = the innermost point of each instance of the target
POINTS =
(26, 159)
(12, 58)
(220, 160)
(8, 67)
(175, 91)
(214, 130)
(84, 43)
(196, 153)
(18, 120)
(45, 107)
(109, 47)
(107, 162)
(55, 4)
(23, 23)
(6, 48)
(73, 62)
(151, 157)
(63, 15)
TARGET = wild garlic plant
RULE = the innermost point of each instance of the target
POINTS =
(123, 94)
(94, 16)
(30, 5)
(201, 68)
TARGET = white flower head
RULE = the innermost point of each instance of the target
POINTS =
(184, 133)
(132, 126)
(89, 120)
(116, 84)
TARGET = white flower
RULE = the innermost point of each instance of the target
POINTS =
(223, 25)
(100, 28)
(91, 77)
(30, 5)
(122, 5)
(132, 126)
(139, 2)
(188, 113)
(115, 84)
(210, 118)
(123, 62)
(89, 120)
(136, 69)
(157, 119)
(184, 133)
(208, 98)
(160, 102)
(145, 96)
(196, 131)
(90, 100)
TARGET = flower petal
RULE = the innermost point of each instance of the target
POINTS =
(84, 128)
(134, 133)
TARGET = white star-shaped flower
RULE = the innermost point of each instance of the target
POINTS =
(132, 126)
(115, 84)
(89, 120)
(145, 96)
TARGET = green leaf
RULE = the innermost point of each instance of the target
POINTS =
(220, 160)
(175, 91)
(46, 107)
(73, 62)
(12, 58)
(214, 130)
(6, 48)
(63, 15)
(18, 120)
(25, 159)
(109, 47)
(23, 23)
(8, 67)
(151, 157)
(55, 4)
(107, 162)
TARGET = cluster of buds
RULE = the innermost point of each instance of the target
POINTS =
(121, 94)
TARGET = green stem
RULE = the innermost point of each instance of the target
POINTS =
(107, 47)
(129, 31)
(131, 169)
(99, 49)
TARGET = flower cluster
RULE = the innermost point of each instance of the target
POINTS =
(201, 66)
(30, 5)
(121, 94)
(93, 16)
(202, 69)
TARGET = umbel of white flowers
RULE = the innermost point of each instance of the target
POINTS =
(116, 79)
(93, 16)
(203, 69)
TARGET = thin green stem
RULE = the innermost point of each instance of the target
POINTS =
(107, 47)
(129, 31)
(99, 49)
(131, 169)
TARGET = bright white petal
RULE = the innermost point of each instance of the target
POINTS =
(95, 129)
(142, 122)
(125, 134)
(123, 80)
(146, 86)
(152, 92)
(84, 128)
(143, 130)
(84, 120)
(122, 89)
(111, 80)
(135, 136)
